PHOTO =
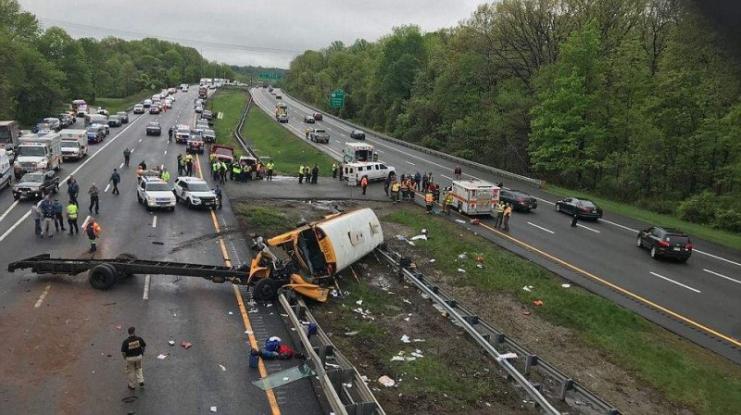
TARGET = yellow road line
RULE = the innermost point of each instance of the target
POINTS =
(272, 401)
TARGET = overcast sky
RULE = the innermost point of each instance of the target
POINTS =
(247, 32)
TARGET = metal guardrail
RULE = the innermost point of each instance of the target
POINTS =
(465, 162)
(550, 380)
(238, 130)
(344, 389)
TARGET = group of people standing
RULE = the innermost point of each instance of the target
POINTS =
(310, 175)
(240, 171)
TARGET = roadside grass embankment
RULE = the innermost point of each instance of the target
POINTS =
(685, 373)
(268, 138)
(229, 102)
(721, 237)
(114, 105)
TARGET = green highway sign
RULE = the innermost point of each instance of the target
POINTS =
(270, 75)
(337, 98)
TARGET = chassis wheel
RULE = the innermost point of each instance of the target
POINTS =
(266, 289)
(126, 257)
(103, 276)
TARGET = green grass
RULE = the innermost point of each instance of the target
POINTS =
(114, 105)
(725, 238)
(287, 151)
(685, 373)
(230, 103)
(265, 221)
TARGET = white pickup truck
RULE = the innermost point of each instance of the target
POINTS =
(74, 144)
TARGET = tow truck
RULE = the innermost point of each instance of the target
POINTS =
(316, 253)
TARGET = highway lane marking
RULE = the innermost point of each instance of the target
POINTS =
(675, 282)
(147, 283)
(449, 178)
(619, 225)
(587, 228)
(42, 296)
(409, 162)
(275, 410)
(165, 152)
(721, 275)
(154, 221)
(541, 228)
(717, 257)
(617, 288)
(545, 201)
(120, 166)
(7, 211)
(108, 186)
(15, 225)
(140, 140)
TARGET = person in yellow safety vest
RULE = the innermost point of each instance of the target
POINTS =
(236, 171)
(212, 157)
(72, 218)
(301, 174)
(448, 202)
(270, 167)
(507, 215)
(499, 210)
(429, 201)
(223, 168)
(334, 170)
(404, 189)
(165, 175)
(410, 188)
(395, 187)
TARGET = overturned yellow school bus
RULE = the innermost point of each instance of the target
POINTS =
(326, 247)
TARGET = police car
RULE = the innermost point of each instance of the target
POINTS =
(194, 192)
(154, 192)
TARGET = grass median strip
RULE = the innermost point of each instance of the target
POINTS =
(230, 103)
(685, 373)
(287, 151)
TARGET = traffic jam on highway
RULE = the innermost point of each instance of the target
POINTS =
(76, 181)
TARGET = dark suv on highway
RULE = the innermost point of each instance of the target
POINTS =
(583, 208)
(520, 200)
(665, 242)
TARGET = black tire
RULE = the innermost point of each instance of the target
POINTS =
(103, 276)
(266, 289)
(126, 257)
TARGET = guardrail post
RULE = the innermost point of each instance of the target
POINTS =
(566, 385)
(472, 320)
(530, 361)
(452, 303)
(324, 352)
(499, 339)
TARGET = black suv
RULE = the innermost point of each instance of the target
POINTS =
(153, 128)
(665, 242)
(583, 208)
(36, 184)
(520, 200)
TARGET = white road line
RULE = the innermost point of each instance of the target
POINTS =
(546, 201)
(675, 282)
(42, 296)
(154, 221)
(108, 186)
(147, 281)
(409, 162)
(721, 275)
(140, 140)
(165, 152)
(717, 257)
(14, 204)
(587, 228)
(15, 225)
(120, 166)
(442, 175)
(618, 225)
(541, 228)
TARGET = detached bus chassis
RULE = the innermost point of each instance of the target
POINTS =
(267, 277)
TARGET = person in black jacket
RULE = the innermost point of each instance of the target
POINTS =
(132, 350)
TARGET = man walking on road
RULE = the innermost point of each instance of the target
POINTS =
(73, 189)
(93, 192)
(507, 215)
(127, 156)
(93, 232)
(132, 350)
(334, 170)
(72, 218)
(37, 216)
(271, 167)
(46, 207)
(314, 174)
(58, 215)
(574, 220)
(300, 174)
(115, 179)
(364, 184)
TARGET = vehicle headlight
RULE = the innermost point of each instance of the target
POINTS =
(41, 164)
(195, 200)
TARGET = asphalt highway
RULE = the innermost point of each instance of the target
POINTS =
(698, 300)
(62, 338)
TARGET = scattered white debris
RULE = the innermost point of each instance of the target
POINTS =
(480, 266)
(411, 243)
(461, 270)
(162, 356)
(286, 378)
(419, 237)
(213, 409)
(248, 332)
(463, 256)
(406, 301)
(460, 221)
(405, 339)
(351, 333)
(359, 302)
(171, 342)
(253, 311)
(415, 354)
(526, 288)
(419, 340)
(506, 356)
(223, 368)
(432, 260)
(231, 313)
(334, 293)
(566, 285)
(386, 381)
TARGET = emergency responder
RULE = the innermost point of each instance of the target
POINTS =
(271, 167)
(223, 170)
(574, 220)
(93, 192)
(499, 210)
(127, 156)
(403, 186)
(424, 183)
(364, 184)
(245, 171)
(188, 165)
(307, 174)
(169, 134)
(395, 188)
(429, 201)
(300, 174)
(417, 181)
(217, 191)
(340, 169)
(46, 206)
(92, 229)
(334, 170)
(58, 215)
(37, 216)
(132, 350)
(314, 174)
(457, 172)
(448, 202)
(181, 165)
(72, 218)
(142, 166)
(115, 179)
(506, 216)
(73, 189)
(215, 167)
(410, 188)
(165, 175)
(235, 170)
(386, 184)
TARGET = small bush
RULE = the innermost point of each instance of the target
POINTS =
(699, 208)
(728, 219)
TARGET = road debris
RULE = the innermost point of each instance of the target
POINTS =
(463, 256)
(506, 356)
(405, 339)
(231, 313)
(351, 333)
(212, 409)
(359, 302)
(538, 303)
(186, 344)
(223, 368)
(419, 237)
(566, 285)
(528, 288)
(461, 221)
(386, 381)
(171, 342)
(461, 270)
(162, 356)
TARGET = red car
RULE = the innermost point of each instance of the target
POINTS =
(317, 116)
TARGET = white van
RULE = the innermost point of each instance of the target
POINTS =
(74, 144)
(5, 171)
(375, 170)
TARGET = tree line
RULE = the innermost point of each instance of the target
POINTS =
(44, 69)
(637, 100)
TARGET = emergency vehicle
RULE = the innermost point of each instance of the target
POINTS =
(474, 197)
